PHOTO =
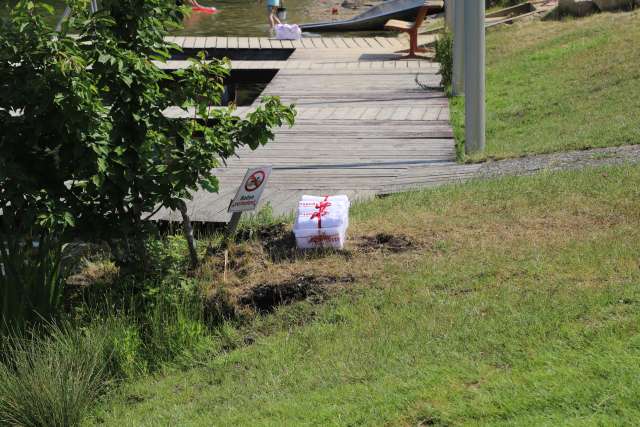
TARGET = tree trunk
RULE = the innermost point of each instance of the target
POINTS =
(188, 234)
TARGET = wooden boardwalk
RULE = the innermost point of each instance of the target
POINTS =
(364, 126)
(358, 43)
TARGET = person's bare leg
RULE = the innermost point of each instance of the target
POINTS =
(273, 17)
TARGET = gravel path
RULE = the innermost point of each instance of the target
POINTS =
(560, 161)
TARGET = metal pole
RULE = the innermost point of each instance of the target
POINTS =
(457, 84)
(474, 71)
(64, 17)
(449, 11)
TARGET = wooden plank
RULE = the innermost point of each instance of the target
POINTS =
(350, 43)
(189, 42)
(431, 113)
(370, 113)
(330, 42)
(254, 43)
(360, 43)
(317, 43)
(363, 127)
(416, 113)
(384, 41)
(324, 113)
(307, 43)
(385, 113)
(401, 113)
(179, 40)
(396, 42)
(264, 43)
(340, 43)
(322, 42)
(200, 43)
(233, 42)
(373, 42)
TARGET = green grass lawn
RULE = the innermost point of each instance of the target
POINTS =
(519, 306)
(559, 86)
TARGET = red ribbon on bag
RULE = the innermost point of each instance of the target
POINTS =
(322, 210)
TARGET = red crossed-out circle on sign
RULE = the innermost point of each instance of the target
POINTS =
(255, 181)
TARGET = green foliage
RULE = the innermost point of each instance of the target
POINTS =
(31, 281)
(261, 224)
(503, 3)
(127, 358)
(175, 332)
(91, 145)
(48, 113)
(444, 56)
(85, 149)
(52, 380)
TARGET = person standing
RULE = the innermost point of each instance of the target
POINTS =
(272, 10)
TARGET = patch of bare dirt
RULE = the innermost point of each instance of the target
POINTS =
(266, 297)
(269, 271)
(386, 242)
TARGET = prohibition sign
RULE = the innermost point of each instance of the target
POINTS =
(255, 181)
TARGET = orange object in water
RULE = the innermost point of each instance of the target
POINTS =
(207, 10)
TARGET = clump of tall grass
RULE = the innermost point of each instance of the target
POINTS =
(31, 281)
(52, 379)
(444, 55)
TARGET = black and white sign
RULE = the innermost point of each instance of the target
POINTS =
(250, 190)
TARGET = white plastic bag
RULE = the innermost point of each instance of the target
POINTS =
(288, 32)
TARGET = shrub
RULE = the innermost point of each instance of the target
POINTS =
(86, 150)
(444, 55)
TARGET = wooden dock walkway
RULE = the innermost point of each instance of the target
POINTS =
(364, 126)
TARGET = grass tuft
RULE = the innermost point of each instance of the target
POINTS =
(52, 380)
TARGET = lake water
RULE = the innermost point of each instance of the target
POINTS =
(247, 17)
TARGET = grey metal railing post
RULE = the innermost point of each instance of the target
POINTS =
(64, 17)
(449, 12)
(474, 71)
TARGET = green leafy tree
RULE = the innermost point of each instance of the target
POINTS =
(85, 149)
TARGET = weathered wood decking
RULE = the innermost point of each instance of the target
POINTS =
(364, 126)
(360, 43)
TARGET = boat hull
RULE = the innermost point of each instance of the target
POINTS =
(372, 20)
